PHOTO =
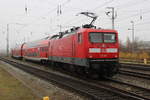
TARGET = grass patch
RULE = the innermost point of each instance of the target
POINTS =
(12, 89)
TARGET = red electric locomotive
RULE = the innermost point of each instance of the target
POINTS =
(92, 50)
(86, 50)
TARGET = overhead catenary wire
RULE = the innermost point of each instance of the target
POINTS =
(110, 1)
(57, 8)
(48, 13)
(98, 7)
(134, 15)
(75, 21)
(128, 4)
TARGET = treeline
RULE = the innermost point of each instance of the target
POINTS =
(135, 50)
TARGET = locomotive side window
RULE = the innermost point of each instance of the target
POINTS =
(96, 37)
(109, 38)
(79, 37)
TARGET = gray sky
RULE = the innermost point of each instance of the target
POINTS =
(41, 18)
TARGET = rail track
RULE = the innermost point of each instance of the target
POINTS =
(135, 70)
(136, 66)
(137, 90)
(94, 89)
(134, 74)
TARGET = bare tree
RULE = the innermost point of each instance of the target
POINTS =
(128, 45)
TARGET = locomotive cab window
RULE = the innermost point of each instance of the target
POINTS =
(79, 38)
(95, 37)
(109, 38)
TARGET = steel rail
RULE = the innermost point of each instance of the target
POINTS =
(136, 66)
(135, 74)
(141, 89)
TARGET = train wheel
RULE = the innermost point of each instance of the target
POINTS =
(111, 70)
(72, 68)
(65, 66)
(79, 70)
(92, 74)
(52, 64)
(42, 62)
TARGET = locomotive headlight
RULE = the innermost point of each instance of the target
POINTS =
(116, 56)
(94, 50)
(112, 50)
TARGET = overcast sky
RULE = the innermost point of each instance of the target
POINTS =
(41, 18)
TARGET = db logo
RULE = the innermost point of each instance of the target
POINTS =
(103, 50)
(103, 45)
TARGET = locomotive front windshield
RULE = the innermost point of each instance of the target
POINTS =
(101, 37)
(96, 37)
(109, 38)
